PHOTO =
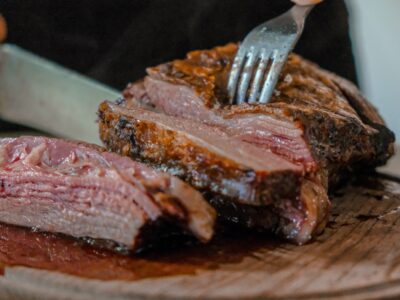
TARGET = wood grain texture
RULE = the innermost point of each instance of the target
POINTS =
(357, 257)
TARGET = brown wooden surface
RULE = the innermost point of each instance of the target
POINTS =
(357, 257)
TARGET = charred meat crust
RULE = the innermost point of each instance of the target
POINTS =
(172, 152)
(208, 173)
(358, 131)
(306, 93)
(333, 129)
(288, 208)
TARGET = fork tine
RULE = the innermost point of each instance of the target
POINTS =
(272, 77)
(246, 76)
(234, 76)
(258, 77)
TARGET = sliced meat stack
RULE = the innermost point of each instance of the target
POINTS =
(83, 191)
(265, 166)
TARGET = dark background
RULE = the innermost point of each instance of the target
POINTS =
(114, 41)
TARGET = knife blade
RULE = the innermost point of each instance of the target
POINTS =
(38, 93)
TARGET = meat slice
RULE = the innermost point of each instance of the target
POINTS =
(341, 128)
(247, 184)
(81, 190)
(316, 121)
(211, 158)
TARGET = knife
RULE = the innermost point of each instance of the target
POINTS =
(40, 94)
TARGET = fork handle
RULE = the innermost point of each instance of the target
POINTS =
(300, 14)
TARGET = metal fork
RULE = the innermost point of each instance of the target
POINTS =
(261, 56)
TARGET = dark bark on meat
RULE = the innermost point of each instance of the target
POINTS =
(315, 120)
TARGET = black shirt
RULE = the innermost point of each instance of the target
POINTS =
(114, 41)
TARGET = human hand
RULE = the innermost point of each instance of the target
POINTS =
(306, 2)
(3, 29)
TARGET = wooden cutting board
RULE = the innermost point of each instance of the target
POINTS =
(357, 257)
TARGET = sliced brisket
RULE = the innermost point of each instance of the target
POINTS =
(83, 191)
(266, 166)
(339, 124)
(251, 185)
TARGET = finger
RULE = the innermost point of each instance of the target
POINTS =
(3, 29)
(306, 2)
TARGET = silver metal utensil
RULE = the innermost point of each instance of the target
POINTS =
(261, 56)
(43, 95)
